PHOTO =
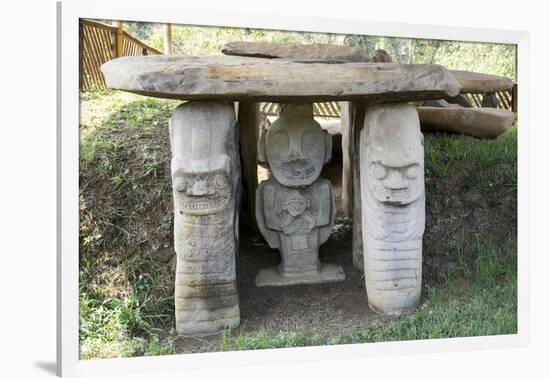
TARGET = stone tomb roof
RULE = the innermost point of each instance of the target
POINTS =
(277, 80)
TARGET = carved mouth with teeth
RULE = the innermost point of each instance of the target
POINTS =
(202, 193)
(203, 205)
(297, 168)
(401, 195)
(395, 185)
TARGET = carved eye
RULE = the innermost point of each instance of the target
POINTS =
(379, 171)
(180, 183)
(281, 141)
(219, 182)
(412, 172)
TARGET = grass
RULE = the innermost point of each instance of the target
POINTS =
(126, 260)
(445, 153)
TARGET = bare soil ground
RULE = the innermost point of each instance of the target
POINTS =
(322, 309)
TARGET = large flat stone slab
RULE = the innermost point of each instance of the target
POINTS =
(316, 51)
(478, 122)
(474, 82)
(277, 80)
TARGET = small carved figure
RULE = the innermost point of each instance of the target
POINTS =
(295, 208)
(393, 216)
(205, 177)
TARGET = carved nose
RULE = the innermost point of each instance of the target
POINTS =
(395, 180)
(199, 188)
(294, 155)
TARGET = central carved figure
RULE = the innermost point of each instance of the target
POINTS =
(295, 207)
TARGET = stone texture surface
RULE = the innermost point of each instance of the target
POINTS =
(474, 82)
(347, 157)
(393, 216)
(278, 80)
(326, 273)
(205, 179)
(295, 208)
(316, 51)
(357, 116)
(489, 100)
(439, 104)
(478, 122)
(310, 52)
(461, 100)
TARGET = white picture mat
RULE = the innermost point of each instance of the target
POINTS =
(170, 11)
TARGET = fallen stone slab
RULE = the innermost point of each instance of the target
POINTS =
(478, 122)
(471, 82)
(461, 100)
(439, 104)
(316, 51)
(279, 80)
(474, 82)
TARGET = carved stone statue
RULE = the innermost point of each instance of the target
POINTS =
(393, 198)
(295, 208)
(205, 178)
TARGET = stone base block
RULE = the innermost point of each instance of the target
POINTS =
(327, 273)
(208, 327)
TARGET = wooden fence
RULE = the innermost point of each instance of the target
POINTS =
(321, 109)
(504, 100)
(100, 43)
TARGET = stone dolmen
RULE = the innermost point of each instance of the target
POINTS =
(295, 208)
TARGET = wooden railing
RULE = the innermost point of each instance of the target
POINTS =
(100, 43)
(504, 100)
(320, 109)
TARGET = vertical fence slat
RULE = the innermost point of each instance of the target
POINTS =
(98, 45)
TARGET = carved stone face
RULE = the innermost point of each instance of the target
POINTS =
(397, 185)
(201, 193)
(296, 147)
(295, 204)
(201, 164)
(395, 173)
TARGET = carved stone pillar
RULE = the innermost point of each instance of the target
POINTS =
(205, 180)
(295, 208)
(393, 206)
